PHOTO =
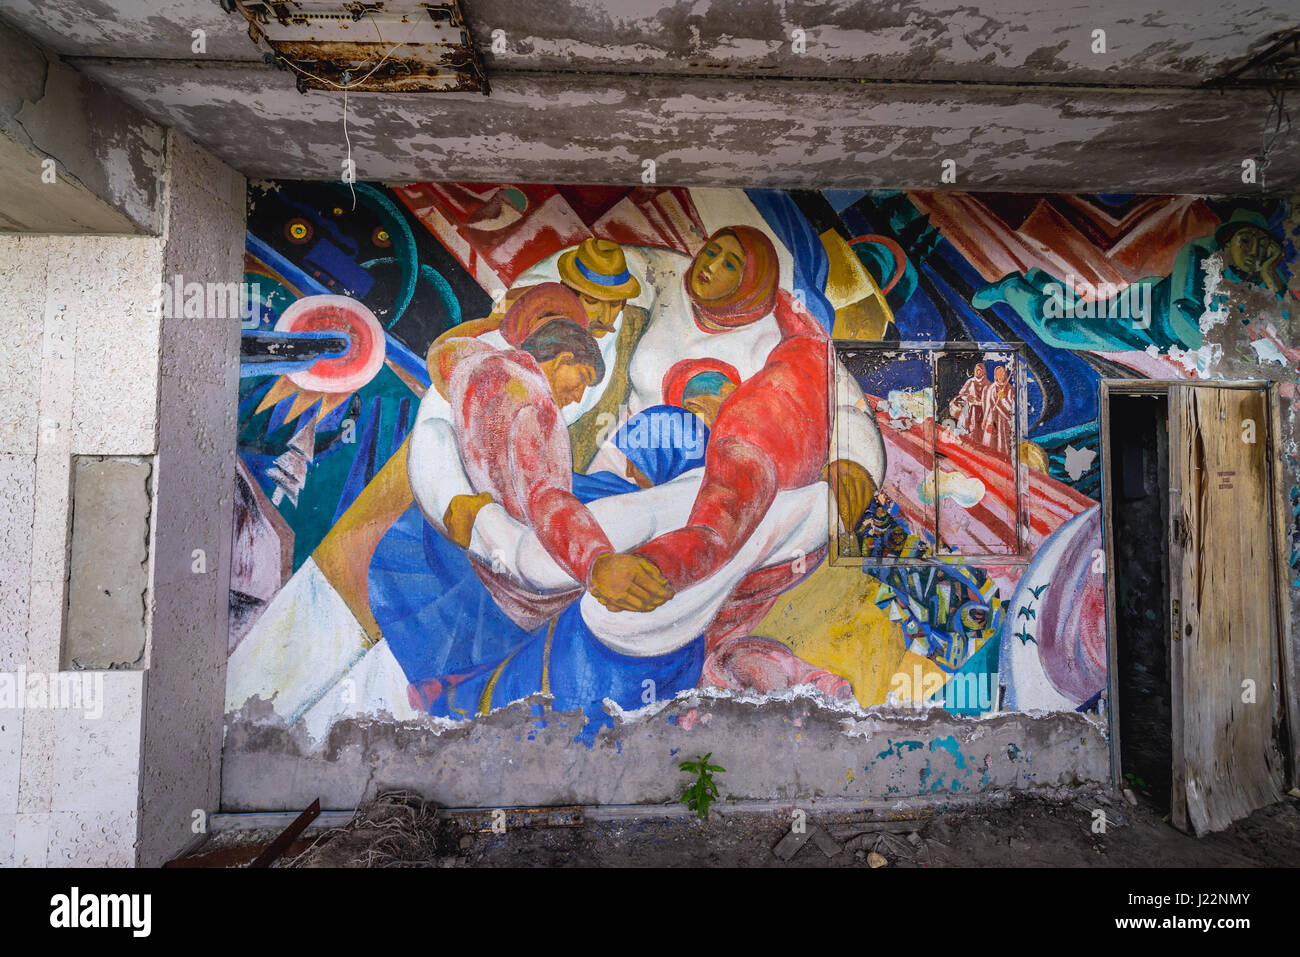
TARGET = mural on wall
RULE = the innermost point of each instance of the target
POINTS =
(606, 444)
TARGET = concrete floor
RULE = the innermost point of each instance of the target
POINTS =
(1052, 829)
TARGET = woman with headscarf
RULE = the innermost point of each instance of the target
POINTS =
(733, 282)
(771, 433)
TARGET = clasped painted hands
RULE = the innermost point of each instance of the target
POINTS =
(628, 583)
(458, 520)
(619, 582)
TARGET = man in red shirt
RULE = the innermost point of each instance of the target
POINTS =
(514, 446)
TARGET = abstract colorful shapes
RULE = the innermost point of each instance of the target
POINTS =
(353, 369)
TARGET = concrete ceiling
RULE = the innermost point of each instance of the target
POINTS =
(714, 92)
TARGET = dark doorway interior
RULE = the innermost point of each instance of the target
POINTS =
(1139, 463)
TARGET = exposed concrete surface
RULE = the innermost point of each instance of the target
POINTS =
(789, 749)
(706, 131)
(846, 93)
(106, 157)
(92, 370)
(990, 40)
(108, 580)
(197, 396)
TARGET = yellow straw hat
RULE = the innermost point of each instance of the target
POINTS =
(599, 268)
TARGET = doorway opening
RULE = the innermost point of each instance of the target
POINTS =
(1201, 696)
(1139, 520)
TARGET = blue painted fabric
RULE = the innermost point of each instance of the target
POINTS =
(811, 263)
(443, 626)
(641, 441)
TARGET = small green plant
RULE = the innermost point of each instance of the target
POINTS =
(702, 791)
(1135, 781)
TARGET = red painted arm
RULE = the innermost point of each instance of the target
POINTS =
(772, 433)
(739, 484)
(539, 465)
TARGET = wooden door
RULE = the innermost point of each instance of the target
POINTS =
(1224, 650)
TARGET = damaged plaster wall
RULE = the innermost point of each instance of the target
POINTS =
(797, 748)
(73, 157)
(717, 131)
(1148, 41)
(362, 661)
(91, 369)
(782, 93)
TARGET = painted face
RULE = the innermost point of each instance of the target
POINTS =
(568, 379)
(601, 313)
(981, 372)
(707, 406)
(717, 269)
(1249, 249)
(1000, 375)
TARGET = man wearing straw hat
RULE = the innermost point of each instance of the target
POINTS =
(596, 271)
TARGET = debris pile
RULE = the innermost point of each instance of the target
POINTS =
(395, 829)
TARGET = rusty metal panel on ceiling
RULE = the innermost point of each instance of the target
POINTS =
(389, 46)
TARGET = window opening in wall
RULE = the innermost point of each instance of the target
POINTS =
(958, 414)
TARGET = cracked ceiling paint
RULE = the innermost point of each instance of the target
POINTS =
(1148, 41)
(712, 90)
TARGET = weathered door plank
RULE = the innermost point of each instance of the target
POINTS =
(1224, 662)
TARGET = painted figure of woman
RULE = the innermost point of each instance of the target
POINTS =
(999, 413)
(967, 405)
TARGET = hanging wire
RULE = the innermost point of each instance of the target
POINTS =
(346, 85)
(352, 170)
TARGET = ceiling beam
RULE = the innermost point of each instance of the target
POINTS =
(718, 131)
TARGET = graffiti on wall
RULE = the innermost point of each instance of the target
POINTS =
(596, 446)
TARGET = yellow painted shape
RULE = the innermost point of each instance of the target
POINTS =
(344, 555)
(1034, 455)
(861, 311)
(866, 319)
(332, 401)
(301, 403)
(847, 280)
(830, 619)
(282, 389)
(910, 662)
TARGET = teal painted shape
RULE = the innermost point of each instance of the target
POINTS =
(983, 665)
(897, 749)
(313, 516)
(950, 745)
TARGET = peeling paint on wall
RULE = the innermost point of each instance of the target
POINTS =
(645, 332)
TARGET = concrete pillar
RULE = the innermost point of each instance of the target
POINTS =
(193, 506)
(89, 368)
